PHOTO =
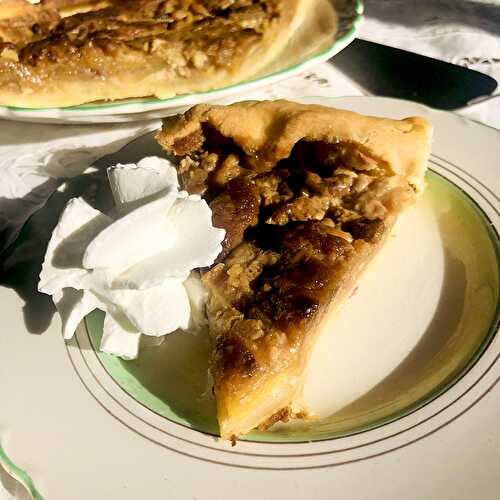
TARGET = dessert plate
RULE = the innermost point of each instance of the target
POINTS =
(318, 39)
(409, 369)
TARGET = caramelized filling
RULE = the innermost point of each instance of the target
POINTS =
(290, 229)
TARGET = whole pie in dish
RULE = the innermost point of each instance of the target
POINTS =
(69, 52)
(307, 196)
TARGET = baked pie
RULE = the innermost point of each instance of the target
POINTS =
(307, 196)
(69, 52)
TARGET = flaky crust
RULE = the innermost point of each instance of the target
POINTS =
(270, 129)
(119, 75)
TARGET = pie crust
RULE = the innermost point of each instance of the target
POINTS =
(307, 196)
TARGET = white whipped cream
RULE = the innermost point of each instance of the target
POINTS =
(136, 265)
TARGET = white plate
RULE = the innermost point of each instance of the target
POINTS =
(76, 432)
(315, 41)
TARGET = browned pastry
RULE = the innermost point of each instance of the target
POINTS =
(307, 196)
(68, 52)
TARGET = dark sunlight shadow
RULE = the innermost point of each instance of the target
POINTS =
(15, 133)
(134, 151)
(467, 13)
(14, 210)
(21, 262)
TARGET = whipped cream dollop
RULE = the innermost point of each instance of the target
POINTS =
(135, 264)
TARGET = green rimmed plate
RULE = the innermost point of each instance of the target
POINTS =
(445, 253)
(415, 385)
(316, 40)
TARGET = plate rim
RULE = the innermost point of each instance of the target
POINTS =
(19, 474)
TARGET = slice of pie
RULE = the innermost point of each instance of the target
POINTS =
(68, 52)
(307, 196)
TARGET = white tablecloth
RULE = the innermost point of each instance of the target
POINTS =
(35, 159)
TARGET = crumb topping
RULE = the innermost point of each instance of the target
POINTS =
(290, 228)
